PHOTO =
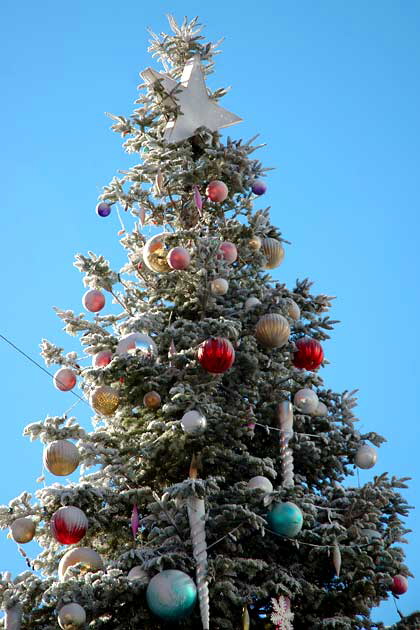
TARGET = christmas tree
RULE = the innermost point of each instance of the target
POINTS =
(211, 490)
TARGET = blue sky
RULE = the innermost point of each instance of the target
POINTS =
(332, 87)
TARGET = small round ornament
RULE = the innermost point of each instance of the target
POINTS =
(102, 358)
(365, 457)
(260, 483)
(61, 457)
(217, 191)
(399, 585)
(137, 342)
(285, 519)
(193, 422)
(93, 300)
(272, 330)
(68, 525)
(306, 400)
(155, 253)
(321, 410)
(103, 209)
(273, 251)
(216, 355)
(23, 530)
(152, 400)
(219, 286)
(228, 252)
(71, 616)
(251, 303)
(178, 258)
(308, 355)
(258, 187)
(65, 379)
(104, 400)
(255, 243)
(292, 309)
(85, 556)
(138, 573)
(171, 595)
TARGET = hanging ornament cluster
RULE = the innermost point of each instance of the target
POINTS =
(71, 616)
(365, 457)
(104, 400)
(217, 191)
(69, 525)
(103, 209)
(273, 251)
(65, 379)
(285, 519)
(23, 530)
(93, 300)
(193, 422)
(87, 557)
(308, 355)
(61, 457)
(272, 330)
(171, 595)
(137, 342)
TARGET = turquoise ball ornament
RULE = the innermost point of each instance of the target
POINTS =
(171, 595)
(285, 519)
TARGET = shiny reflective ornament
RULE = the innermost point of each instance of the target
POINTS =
(137, 342)
(255, 243)
(104, 400)
(216, 355)
(155, 253)
(366, 457)
(93, 300)
(285, 417)
(23, 530)
(102, 358)
(178, 258)
(258, 187)
(138, 573)
(260, 483)
(273, 251)
(61, 457)
(152, 400)
(251, 303)
(306, 400)
(321, 410)
(171, 595)
(308, 355)
(65, 379)
(103, 209)
(219, 286)
(228, 252)
(272, 330)
(68, 525)
(217, 191)
(399, 585)
(193, 422)
(285, 519)
(292, 309)
(71, 616)
(87, 557)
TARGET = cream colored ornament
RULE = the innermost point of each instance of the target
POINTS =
(219, 286)
(292, 309)
(255, 243)
(105, 400)
(61, 457)
(23, 530)
(251, 303)
(273, 251)
(155, 253)
(85, 556)
(138, 573)
(272, 330)
(306, 400)
(71, 616)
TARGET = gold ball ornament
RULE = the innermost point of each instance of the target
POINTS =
(87, 557)
(255, 243)
(23, 530)
(292, 309)
(273, 251)
(155, 253)
(152, 400)
(71, 616)
(272, 330)
(61, 457)
(105, 400)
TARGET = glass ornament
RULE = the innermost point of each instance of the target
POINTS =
(85, 556)
(102, 358)
(260, 483)
(71, 616)
(308, 355)
(152, 400)
(138, 573)
(155, 253)
(251, 303)
(259, 187)
(93, 300)
(216, 355)
(273, 251)
(193, 422)
(228, 252)
(366, 457)
(104, 400)
(219, 286)
(292, 309)
(399, 585)
(103, 209)
(23, 530)
(178, 258)
(64, 379)
(61, 457)
(285, 417)
(68, 525)
(306, 400)
(137, 342)
(272, 330)
(217, 191)
(171, 595)
(285, 519)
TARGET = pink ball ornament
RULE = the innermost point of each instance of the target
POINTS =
(399, 585)
(65, 379)
(228, 251)
(102, 358)
(93, 300)
(178, 258)
(217, 191)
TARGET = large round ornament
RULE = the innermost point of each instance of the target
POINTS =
(178, 258)
(308, 355)
(61, 457)
(273, 251)
(251, 303)
(321, 410)
(93, 300)
(260, 483)
(258, 187)
(138, 573)
(285, 519)
(193, 422)
(155, 253)
(365, 457)
(65, 379)
(68, 525)
(71, 616)
(216, 355)
(23, 530)
(292, 309)
(136, 341)
(306, 400)
(90, 559)
(272, 330)
(152, 400)
(219, 286)
(399, 585)
(104, 400)
(103, 209)
(171, 595)
(102, 358)
(217, 191)
(228, 252)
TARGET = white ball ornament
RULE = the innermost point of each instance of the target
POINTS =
(136, 341)
(251, 303)
(71, 616)
(260, 483)
(138, 573)
(87, 557)
(193, 422)
(219, 286)
(365, 457)
(306, 400)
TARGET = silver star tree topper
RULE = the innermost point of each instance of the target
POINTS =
(196, 107)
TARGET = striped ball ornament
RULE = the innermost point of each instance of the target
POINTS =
(68, 525)
(216, 355)
(272, 330)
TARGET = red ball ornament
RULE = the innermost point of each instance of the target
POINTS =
(93, 300)
(228, 251)
(65, 379)
(178, 258)
(216, 355)
(217, 191)
(102, 358)
(68, 525)
(399, 585)
(309, 354)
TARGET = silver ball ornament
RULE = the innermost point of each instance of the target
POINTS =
(136, 341)
(219, 286)
(321, 410)
(193, 422)
(251, 303)
(71, 616)
(365, 457)
(306, 400)
(138, 573)
(260, 483)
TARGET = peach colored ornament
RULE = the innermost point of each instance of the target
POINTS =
(65, 379)
(93, 300)
(217, 191)
(85, 556)
(178, 258)
(102, 358)
(228, 251)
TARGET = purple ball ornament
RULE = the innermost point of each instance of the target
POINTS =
(103, 209)
(258, 187)
(178, 258)
(93, 300)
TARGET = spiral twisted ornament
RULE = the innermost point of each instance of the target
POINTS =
(286, 462)
(196, 515)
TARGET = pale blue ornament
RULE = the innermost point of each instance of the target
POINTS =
(171, 595)
(285, 519)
